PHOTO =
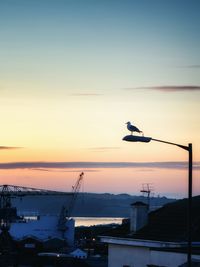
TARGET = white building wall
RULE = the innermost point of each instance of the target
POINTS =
(168, 259)
(118, 256)
(44, 228)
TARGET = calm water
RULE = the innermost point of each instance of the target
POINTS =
(88, 221)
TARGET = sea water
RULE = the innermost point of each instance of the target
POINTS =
(89, 221)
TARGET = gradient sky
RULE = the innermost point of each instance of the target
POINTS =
(72, 73)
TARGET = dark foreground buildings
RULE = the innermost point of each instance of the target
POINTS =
(155, 239)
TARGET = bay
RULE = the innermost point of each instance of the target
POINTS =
(89, 221)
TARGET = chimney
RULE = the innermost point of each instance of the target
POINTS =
(138, 216)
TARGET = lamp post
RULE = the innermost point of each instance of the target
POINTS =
(144, 139)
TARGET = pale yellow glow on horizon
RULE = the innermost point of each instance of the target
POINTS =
(127, 180)
(78, 128)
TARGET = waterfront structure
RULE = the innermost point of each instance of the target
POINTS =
(44, 229)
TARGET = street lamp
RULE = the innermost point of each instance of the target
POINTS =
(144, 139)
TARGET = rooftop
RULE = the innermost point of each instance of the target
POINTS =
(168, 223)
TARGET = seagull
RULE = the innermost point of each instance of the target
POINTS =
(132, 128)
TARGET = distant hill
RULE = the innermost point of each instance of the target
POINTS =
(168, 223)
(87, 204)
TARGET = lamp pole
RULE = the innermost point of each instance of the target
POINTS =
(134, 138)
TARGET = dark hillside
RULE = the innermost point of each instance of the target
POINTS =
(87, 204)
(170, 222)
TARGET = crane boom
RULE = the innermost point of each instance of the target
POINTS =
(75, 191)
(66, 212)
(10, 191)
(17, 190)
(7, 192)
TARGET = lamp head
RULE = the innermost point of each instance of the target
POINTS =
(136, 138)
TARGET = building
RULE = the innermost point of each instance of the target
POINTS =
(79, 254)
(157, 239)
(44, 227)
(42, 233)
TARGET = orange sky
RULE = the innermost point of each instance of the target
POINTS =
(72, 75)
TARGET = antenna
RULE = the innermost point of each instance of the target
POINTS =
(147, 191)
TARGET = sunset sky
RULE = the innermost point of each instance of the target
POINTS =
(73, 72)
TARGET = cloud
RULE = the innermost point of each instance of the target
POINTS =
(60, 170)
(176, 88)
(8, 147)
(43, 170)
(170, 88)
(86, 94)
(103, 149)
(197, 66)
(145, 170)
(98, 165)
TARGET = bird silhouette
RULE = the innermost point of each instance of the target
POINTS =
(132, 128)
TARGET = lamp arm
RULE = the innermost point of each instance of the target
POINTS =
(170, 143)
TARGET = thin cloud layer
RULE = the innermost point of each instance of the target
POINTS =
(103, 149)
(97, 165)
(174, 88)
(60, 170)
(86, 94)
(170, 88)
(8, 147)
(197, 66)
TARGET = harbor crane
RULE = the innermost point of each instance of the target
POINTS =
(8, 214)
(75, 191)
(66, 211)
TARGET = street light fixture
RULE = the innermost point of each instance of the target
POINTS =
(144, 139)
